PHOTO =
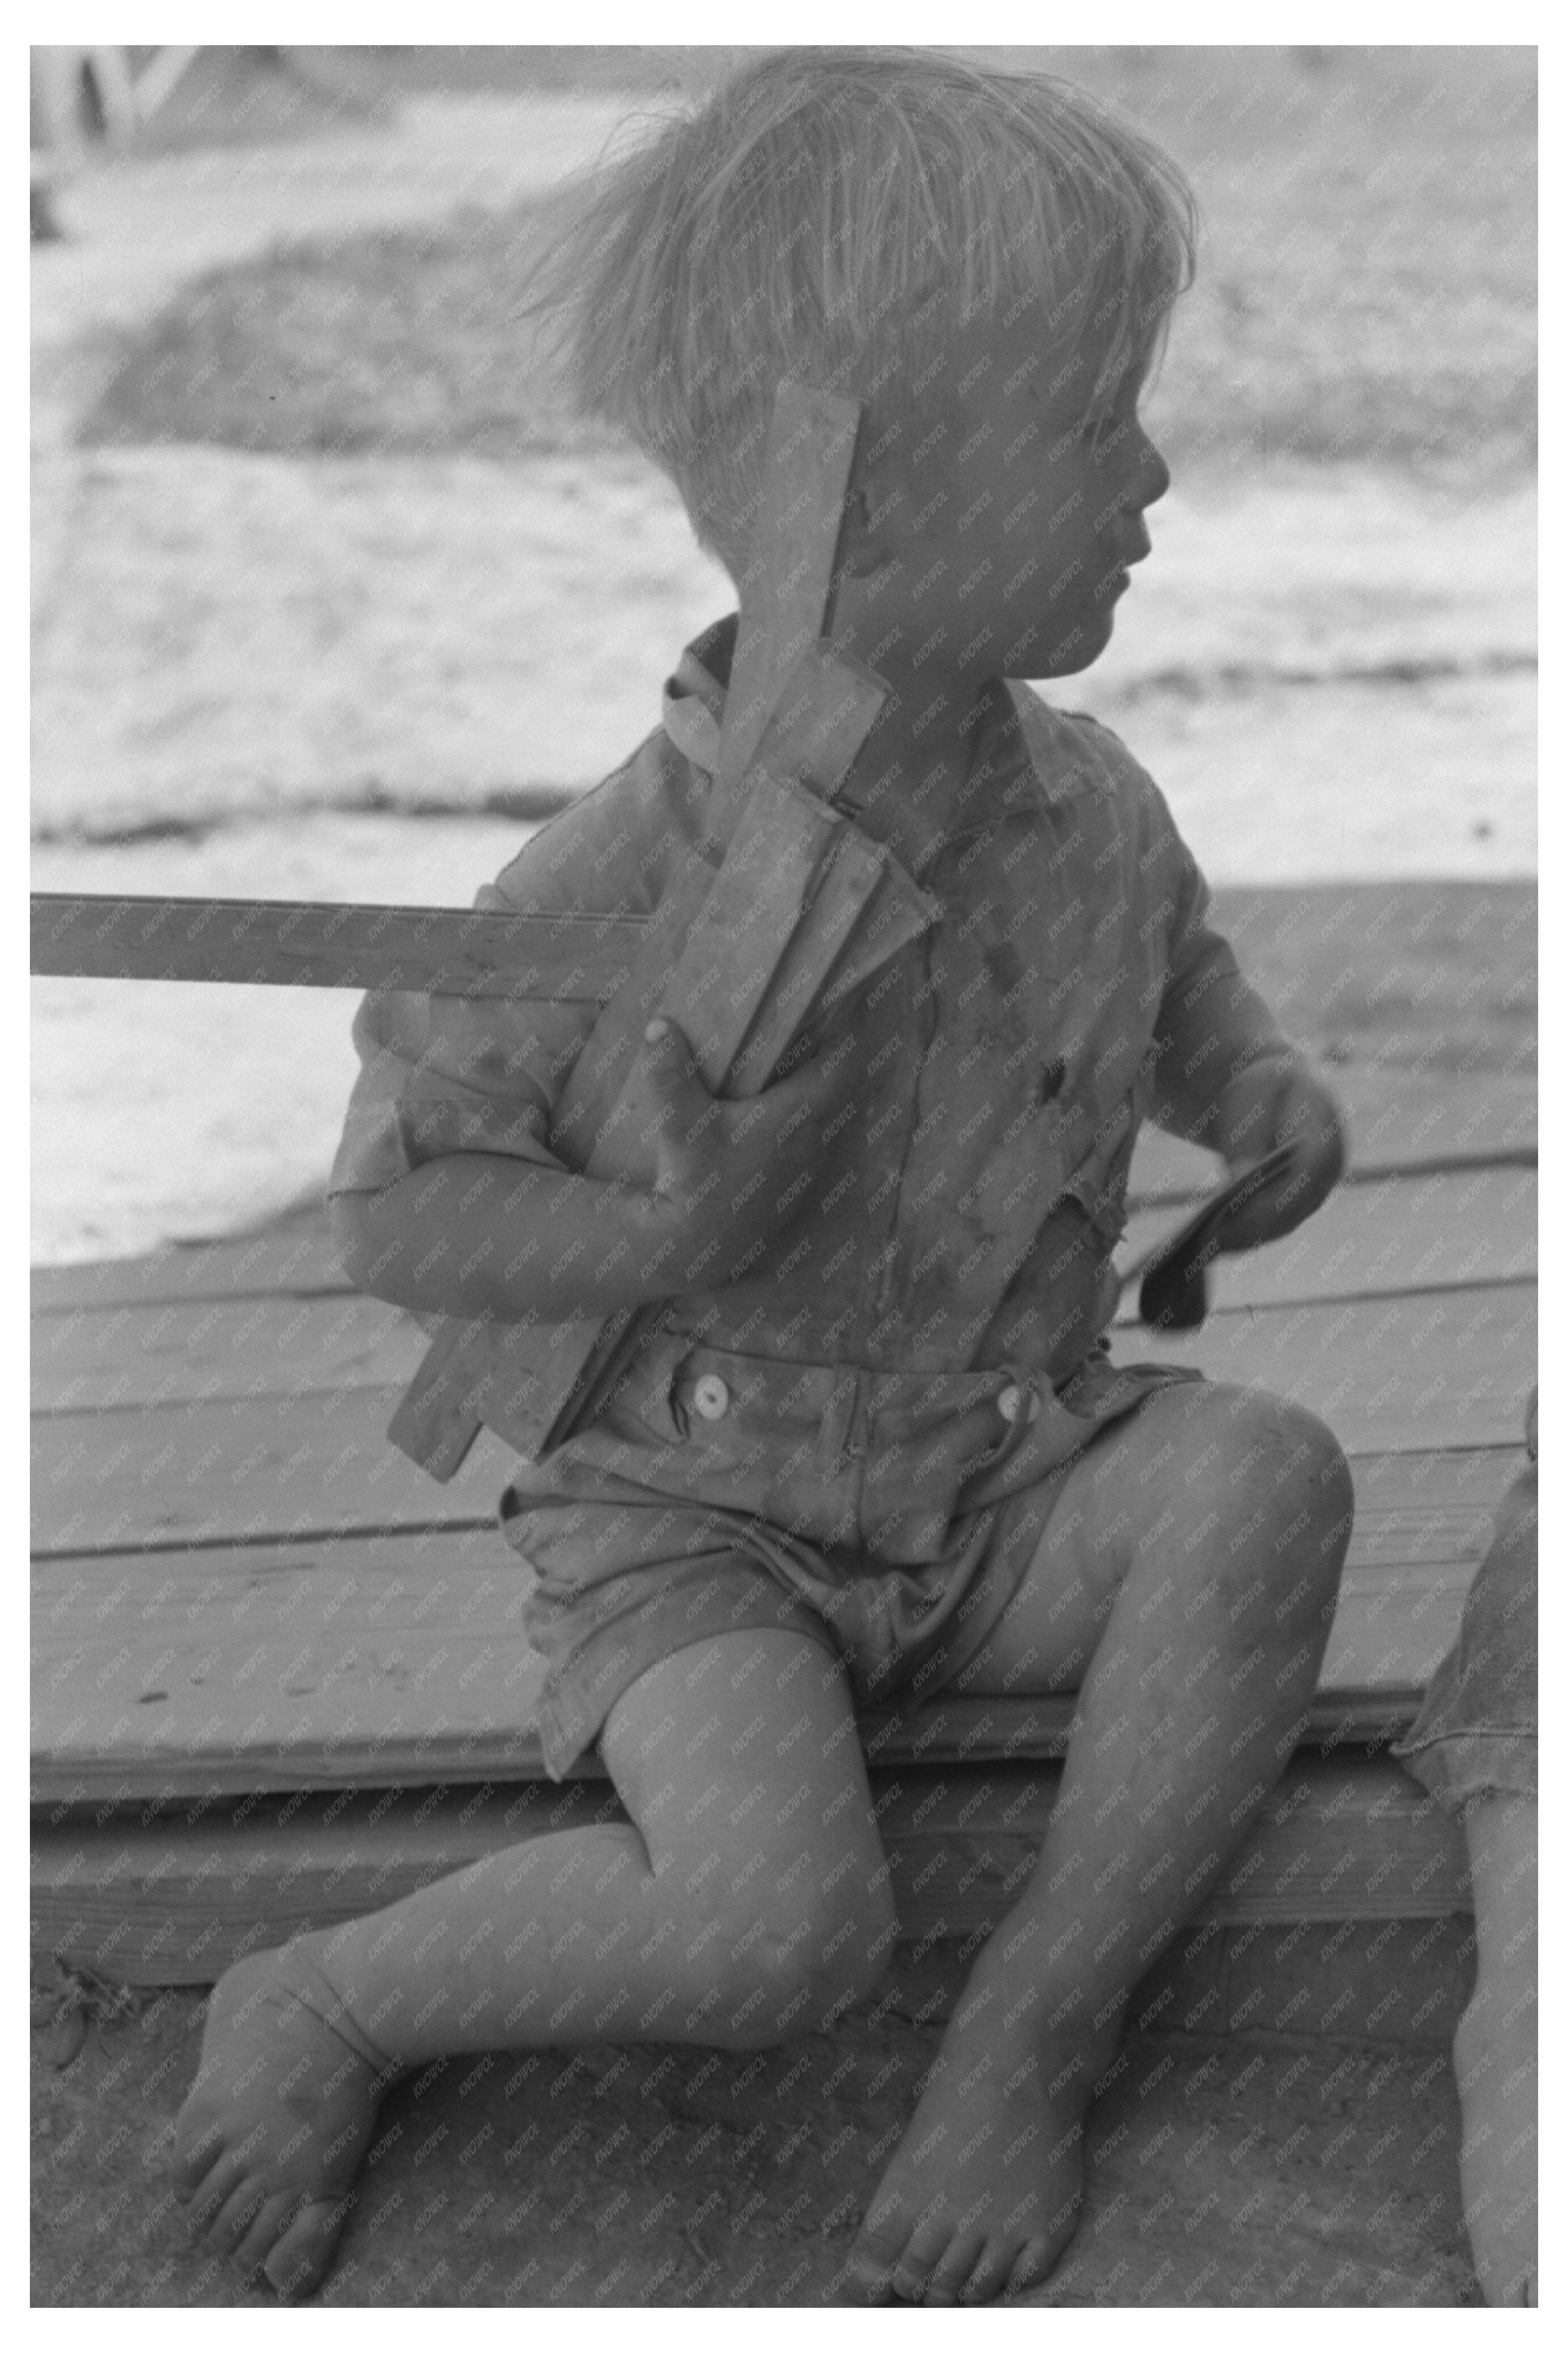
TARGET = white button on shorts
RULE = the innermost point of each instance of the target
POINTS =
(712, 1397)
(1011, 1400)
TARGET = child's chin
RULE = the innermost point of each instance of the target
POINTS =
(1070, 655)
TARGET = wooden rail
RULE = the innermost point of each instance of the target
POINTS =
(581, 959)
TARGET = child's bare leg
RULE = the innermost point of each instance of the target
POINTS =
(747, 1899)
(1195, 1565)
(1495, 2051)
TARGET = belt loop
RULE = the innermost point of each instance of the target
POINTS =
(837, 1421)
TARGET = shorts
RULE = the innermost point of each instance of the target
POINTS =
(1477, 1733)
(888, 1517)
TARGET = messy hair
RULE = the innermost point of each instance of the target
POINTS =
(842, 217)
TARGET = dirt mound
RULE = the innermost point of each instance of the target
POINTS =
(1367, 286)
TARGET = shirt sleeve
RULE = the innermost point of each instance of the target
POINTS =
(446, 1074)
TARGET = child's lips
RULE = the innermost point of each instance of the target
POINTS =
(1122, 560)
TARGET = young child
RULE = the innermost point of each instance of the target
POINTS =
(871, 1440)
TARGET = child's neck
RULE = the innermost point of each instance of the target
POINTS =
(909, 784)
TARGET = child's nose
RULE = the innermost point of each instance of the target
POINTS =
(1152, 477)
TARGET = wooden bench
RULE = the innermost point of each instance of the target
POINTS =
(279, 1675)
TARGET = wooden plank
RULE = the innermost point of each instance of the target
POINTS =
(143, 1357)
(294, 1257)
(1427, 1370)
(788, 581)
(173, 1898)
(381, 1751)
(1410, 1508)
(232, 1469)
(1340, 1838)
(355, 1658)
(311, 1456)
(1390, 1631)
(1414, 1506)
(1403, 1233)
(1428, 1487)
(1398, 1121)
(297, 1254)
(580, 959)
(293, 1448)
(1427, 1510)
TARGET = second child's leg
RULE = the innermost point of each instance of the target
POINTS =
(747, 1899)
(1495, 2059)
(1187, 1583)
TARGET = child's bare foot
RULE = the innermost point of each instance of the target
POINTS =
(274, 2126)
(983, 2190)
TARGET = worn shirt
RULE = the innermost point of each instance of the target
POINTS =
(967, 1201)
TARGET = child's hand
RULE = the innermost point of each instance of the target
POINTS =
(1279, 1103)
(724, 1167)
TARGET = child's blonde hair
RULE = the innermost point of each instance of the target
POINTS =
(842, 217)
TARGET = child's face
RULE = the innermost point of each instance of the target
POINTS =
(1000, 547)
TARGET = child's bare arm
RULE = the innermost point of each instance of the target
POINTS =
(476, 1233)
(1229, 1078)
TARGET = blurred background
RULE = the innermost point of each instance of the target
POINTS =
(333, 601)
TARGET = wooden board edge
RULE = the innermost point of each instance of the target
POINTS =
(141, 1904)
(984, 1732)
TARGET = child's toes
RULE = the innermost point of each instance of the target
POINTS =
(239, 2209)
(989, 2274)
(303, 2255)
(953, 2267)
(873, 2262)
(1033, 2267)
(217, 2185)
(265, 2230)
(925, 2249)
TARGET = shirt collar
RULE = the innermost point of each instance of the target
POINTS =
(1025, 735)
(694, 697)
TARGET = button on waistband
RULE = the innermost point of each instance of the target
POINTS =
(711, 1396)
(1009, 1403)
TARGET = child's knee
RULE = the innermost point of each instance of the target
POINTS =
(801, 1963)
(1311, 1475)
(1278, 1451)
(1280, 1500)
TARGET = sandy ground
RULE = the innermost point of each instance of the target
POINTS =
(137, 226)
(1330, 672)
(219, 633)
(1250, 2169)
(163, 1110)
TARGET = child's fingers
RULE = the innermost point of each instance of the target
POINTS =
(669, 1061)
(1310, 1169)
